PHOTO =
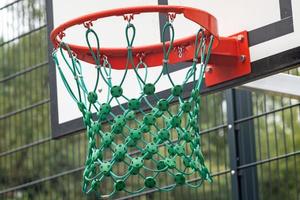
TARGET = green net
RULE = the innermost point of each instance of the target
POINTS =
(150, 142)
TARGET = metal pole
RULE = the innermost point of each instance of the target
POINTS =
(246, 145)
(232, 143)
(241, 141)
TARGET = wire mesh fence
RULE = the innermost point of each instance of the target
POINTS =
(266, 130)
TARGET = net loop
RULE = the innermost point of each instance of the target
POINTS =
(130, 38)
(167, 49)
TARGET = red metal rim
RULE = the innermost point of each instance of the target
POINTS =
(202, 18)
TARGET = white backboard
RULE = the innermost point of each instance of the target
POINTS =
(273, 26)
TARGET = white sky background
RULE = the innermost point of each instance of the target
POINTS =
(5, 2)
(16, 20)
(8, 27)
(4, 21)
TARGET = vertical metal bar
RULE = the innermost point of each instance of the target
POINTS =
(162, 21)
(259, 154)
(246, 145)
(215, 111)
(163, 2)
(233, 152)
(285, 149)
(276, 144)
(294, 148)
(225, 157)
(13, 158)
(285, 8)
(268, 144)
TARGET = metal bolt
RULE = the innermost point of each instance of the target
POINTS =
(242, 58)
(229, 126)
(240, 38)
(232, 172)
(208, 69)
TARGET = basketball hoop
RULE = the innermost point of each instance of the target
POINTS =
(184, 157)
